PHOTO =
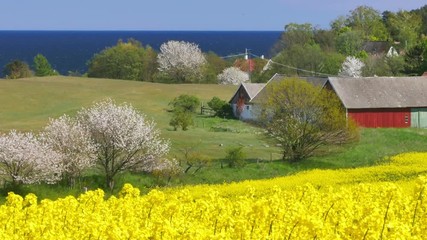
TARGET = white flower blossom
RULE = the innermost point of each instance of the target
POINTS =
(351, 67)
(73, 140)
(25, 159)
(233, 75)
(124, 139)
(181, 60)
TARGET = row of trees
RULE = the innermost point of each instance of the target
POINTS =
(360, 34)
(364, 34)
(177, 62)
(114, 138)
(302, 49)
(19, 69)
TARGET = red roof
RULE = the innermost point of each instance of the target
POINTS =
(245, 64)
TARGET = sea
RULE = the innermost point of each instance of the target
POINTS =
(70, 51)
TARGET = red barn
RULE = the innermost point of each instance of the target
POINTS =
(396, 102)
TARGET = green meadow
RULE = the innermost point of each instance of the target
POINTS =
(28, 104)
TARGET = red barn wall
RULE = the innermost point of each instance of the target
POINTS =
(381, 118)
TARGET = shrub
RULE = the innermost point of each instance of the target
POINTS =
(181, 119)
(221, 108)
(184, 102)
(42, 66)
(17, 69)
(235, 157)
(183, 107)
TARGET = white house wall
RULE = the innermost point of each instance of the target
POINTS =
(248, 113)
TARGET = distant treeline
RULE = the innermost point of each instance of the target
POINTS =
(388, 43)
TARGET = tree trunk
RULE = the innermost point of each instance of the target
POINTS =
(109, 180)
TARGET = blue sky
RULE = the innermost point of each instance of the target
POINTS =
(181, 14)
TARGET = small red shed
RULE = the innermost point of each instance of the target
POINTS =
(374, 102)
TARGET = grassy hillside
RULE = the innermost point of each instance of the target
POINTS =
(27, 105)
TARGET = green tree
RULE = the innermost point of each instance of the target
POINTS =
(127, 60)
(376, 66)
(235, 157)
(404, 27)
(181, 119)
(422, 13)
(383, 66)
(215, 65)
(338, 24)
(300, 60)
(17, 69)
(325, 39)
(149, 66)
(295, 34)
(302, 117)
(332, 63)
(183, 108)
(396, 65)
(42, 66)
(368, 21)
(349, 43)
(416, 59)
(186, 103)
(221, 108)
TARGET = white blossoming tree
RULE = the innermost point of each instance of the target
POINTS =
(124, 139)
(181, 61)
(26, 160)
(233, 75)
(351, 67)
(73, 140)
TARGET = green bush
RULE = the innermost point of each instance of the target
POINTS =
(17, 69)
(221, 108)
(183, 107)
(43, 67)
(185, 103)
(235, 157)
(181, 119)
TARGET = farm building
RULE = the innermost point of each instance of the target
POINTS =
(241, 102)
(373, 102)
(244, 101)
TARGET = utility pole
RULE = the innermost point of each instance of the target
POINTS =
(247, 58)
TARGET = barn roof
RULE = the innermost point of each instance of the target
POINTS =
(316, 81)
(253, 88)
(381, 92)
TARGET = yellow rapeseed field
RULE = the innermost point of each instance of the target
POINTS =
(380, 202)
